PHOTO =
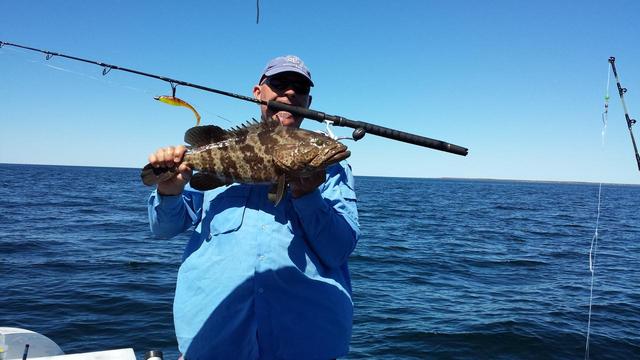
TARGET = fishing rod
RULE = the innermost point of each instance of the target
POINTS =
(361, 127)
(630, 121)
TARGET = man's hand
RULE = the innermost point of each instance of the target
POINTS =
(304, 185)
(170, 157)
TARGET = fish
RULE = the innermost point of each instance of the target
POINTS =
(172, 100)
(256, 152)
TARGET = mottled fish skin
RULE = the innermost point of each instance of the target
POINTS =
(239, 159)
(248, 155)
(259, 153)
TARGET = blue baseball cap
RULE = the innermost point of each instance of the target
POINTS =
(284, 64)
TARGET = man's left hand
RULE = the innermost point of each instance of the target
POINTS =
(304, 185)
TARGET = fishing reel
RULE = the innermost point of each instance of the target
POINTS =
(358, 134)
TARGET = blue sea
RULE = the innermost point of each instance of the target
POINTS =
(445, 268)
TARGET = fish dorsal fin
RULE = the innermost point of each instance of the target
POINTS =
(246, 127)
(203, 135)
(271, 123)
(240, 130)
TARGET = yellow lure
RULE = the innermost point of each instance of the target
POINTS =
(172, 100)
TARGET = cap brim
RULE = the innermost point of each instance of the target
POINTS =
(282, 69)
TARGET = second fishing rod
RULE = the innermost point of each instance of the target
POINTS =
(361, 127)
(630, 121)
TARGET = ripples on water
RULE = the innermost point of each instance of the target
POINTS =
(449, 269)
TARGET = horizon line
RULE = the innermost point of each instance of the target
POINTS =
(381, 176)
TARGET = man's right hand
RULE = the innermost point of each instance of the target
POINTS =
(170, 157)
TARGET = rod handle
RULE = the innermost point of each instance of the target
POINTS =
(371, 128)
(401, 136)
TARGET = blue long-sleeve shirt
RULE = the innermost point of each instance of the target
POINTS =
(258, 281)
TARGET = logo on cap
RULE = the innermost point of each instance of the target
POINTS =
(294, 59)
(286, 63)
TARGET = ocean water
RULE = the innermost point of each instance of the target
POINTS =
(445, 269)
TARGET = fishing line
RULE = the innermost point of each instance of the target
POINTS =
(605, 112)
(129, 87)
(594, 240)
(101, 79)
(257, 11)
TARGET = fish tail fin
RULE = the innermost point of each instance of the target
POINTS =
(151, 175)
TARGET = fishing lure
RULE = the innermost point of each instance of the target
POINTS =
(172, 100)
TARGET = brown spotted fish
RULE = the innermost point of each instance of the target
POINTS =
(258, 152)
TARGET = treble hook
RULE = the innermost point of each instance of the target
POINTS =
(106, 70)
(49, 56)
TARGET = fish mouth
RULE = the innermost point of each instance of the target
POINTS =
(337, 157)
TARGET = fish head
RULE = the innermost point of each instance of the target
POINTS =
(308, 153)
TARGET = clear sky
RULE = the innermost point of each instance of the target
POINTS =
(520, 83)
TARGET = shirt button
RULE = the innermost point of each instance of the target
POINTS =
(261, 257)
(260, 290)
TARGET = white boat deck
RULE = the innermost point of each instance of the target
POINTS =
(14, 340)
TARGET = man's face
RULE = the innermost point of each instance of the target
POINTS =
(287, 87)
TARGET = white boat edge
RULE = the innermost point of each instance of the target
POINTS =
(14, 340)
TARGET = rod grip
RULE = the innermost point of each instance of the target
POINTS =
(371, 128)
(401, 136)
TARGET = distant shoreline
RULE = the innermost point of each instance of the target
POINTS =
(568, 182)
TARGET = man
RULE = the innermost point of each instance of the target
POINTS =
(259, 281)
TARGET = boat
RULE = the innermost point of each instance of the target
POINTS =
(22, 344)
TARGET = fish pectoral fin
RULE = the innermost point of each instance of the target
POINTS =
(280, 190)
(204, 181)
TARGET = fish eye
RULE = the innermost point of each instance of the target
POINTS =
(317, 141)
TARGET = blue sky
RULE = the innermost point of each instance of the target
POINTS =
(521, 84)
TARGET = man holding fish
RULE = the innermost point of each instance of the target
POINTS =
(274, 218)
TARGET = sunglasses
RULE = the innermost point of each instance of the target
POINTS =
(282, 84)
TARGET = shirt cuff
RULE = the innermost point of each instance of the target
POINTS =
(166, 200)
